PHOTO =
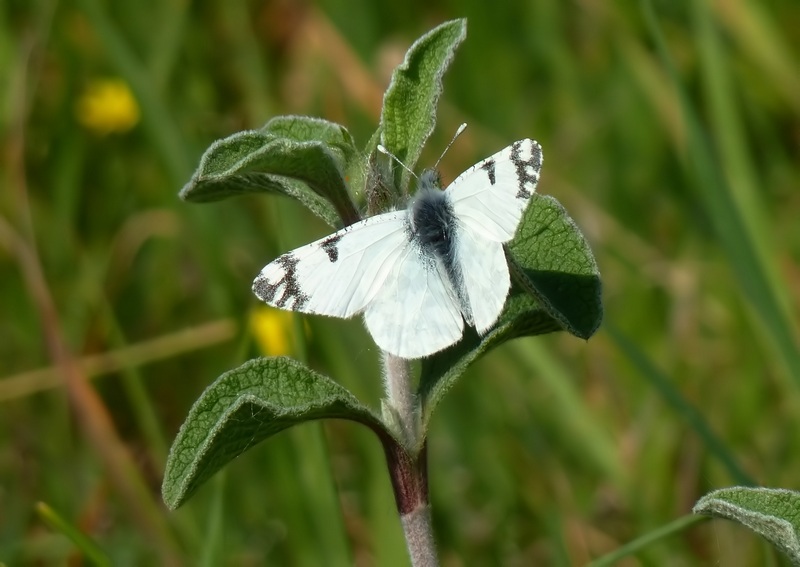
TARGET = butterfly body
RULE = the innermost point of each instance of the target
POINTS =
(417, 274)
(434, 227)
(432, 219)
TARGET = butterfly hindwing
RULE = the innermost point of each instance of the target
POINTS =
(416, 313)
(484, 277)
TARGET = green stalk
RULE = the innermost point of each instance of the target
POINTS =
(632, 547)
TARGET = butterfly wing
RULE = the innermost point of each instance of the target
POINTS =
(338, 275)
(409, 303)
(416, 312)
(488, 201)
(484, 276)
(490, 197)
(372, 266)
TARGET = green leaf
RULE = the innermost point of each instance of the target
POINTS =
(258, 161)
(333, 135)
(247, 405)
(553, 262)
(409, 106)
(215, 190)
(561, 291)
(774, 513)
(310, 129)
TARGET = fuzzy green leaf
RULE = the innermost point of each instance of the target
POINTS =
(557, 287)
(774, 513)
(333, 135)
(218, 189)
(310, 129)
(258, 161)
(552, 261)
(409, 106)
(245, 406)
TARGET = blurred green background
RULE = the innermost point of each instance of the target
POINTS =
(671, 132)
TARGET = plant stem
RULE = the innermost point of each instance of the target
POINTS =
(408, 463)
(400, 398)
(419, 537)
(409, 475)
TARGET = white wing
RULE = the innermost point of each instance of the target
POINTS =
(338, 275)
(416, 312)
(488, 201)
(484, 274)
(409, 303)
(491, 196)
(410, 307)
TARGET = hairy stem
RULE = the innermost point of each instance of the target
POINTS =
(419, 537)
(399, 397)
(407, 462)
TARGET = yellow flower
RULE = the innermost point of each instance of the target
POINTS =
(273, 330)
(106, 106)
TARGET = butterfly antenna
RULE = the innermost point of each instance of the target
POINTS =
(456, 135)
(383, 150)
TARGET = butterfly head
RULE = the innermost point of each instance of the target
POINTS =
(429, 180)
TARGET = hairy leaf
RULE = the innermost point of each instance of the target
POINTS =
(259, 161)
(551, 260)
(245, 406)
(774, 513)
(310, 129)
(409, 106)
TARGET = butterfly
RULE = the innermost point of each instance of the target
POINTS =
(417, 274)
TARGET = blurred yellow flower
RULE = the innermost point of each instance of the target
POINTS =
(273, 330)
(107, 106)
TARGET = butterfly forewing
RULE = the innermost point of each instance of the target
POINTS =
(491, 196)
(337, 275)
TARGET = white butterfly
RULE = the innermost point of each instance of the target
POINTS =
(417, 274)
